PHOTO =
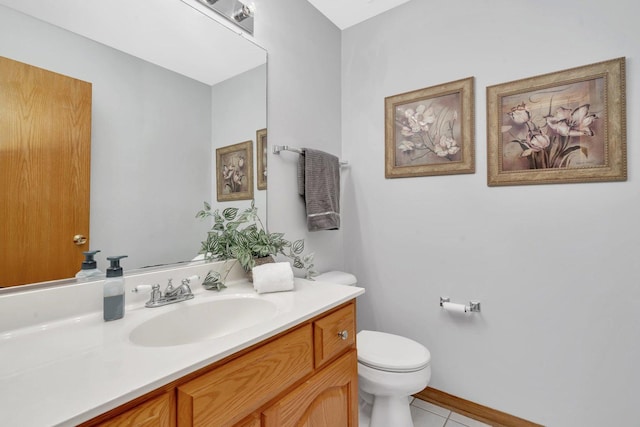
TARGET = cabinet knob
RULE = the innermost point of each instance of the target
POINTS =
(343, 334)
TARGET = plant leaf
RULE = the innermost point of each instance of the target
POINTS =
(230, 213)
(298, 246)
(240, 235)
(571, 149)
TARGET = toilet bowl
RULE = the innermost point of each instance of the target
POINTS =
(390, 369)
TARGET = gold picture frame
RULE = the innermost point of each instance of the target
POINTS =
(430, 131)
(234, 172)
(563, 127)
(261, 158)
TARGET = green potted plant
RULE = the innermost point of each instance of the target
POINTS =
(240, 235)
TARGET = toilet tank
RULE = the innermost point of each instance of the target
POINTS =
(339, 277)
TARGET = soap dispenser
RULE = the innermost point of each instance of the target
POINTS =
(89, 267)
(114, 290)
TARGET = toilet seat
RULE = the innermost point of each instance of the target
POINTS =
(391, 353)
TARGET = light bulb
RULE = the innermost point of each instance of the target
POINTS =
(246, 11)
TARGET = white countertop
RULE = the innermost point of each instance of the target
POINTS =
(69, 370)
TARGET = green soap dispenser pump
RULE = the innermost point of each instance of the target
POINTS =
(89, 267)
(114, 290)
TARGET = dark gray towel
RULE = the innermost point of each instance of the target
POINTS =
(319, 184)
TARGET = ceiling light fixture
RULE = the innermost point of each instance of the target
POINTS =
(234, 11)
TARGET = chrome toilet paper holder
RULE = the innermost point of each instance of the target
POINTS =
(472, 307)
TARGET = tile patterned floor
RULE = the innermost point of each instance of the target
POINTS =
(425, 414)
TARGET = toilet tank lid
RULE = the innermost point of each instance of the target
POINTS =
(391, 352)
(339, 277)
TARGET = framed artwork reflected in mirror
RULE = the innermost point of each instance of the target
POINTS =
(234, 172)
(261, 156)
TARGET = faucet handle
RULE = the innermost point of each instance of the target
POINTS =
(142, 288)
(155, 296)
(188, 280)
(169, 287)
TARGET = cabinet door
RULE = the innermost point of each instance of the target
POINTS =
(230, 393)
(158, 412)
(334, 334)
(250, 421)
(328, 399)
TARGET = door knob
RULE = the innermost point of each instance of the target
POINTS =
(343, 334)
(79, 239)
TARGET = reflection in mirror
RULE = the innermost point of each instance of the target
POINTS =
(153, 130)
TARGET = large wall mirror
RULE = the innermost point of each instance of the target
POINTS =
(170, 84)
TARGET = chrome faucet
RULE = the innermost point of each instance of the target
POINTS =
(178, 292)
(171, 295)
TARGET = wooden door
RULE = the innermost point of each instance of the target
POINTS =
(328, 399)
(45, 151)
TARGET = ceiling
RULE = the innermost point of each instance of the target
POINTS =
(345, 13)
(174, 34)
(152, 33)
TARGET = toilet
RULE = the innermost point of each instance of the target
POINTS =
(390, 369)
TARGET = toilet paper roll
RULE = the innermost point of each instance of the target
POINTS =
(456, 308)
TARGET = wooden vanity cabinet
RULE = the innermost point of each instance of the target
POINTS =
(157, 412)
(307, 376)
(333, 334)
(229, 393)
(328, 399)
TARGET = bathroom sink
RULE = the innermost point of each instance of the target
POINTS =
(191, 323)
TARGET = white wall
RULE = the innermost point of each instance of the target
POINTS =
(304, 111)
(555, 266)
(150, 142)
(239, 109)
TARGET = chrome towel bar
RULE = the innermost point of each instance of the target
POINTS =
(278, 148)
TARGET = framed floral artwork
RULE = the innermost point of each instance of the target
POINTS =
(430, 131)
(562, 127)
(261, 157)
(234, 172)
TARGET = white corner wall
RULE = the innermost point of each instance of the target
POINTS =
(304, 100)
(555, 266)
